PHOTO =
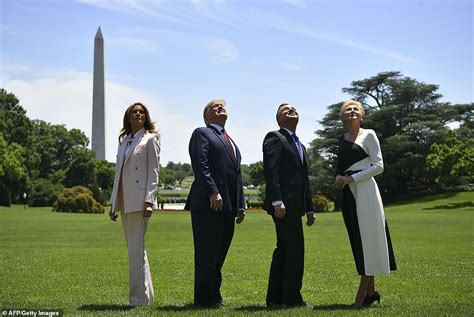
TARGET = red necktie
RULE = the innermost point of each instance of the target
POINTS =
(229, 144)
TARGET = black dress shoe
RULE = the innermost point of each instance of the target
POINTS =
(369, 299)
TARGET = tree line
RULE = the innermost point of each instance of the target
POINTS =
(421, 153)
(41, 159)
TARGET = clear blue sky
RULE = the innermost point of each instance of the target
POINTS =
(177, 55)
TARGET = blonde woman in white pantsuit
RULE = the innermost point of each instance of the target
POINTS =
(134, 195)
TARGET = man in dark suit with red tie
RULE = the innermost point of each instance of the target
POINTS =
(287, 199)
(216, 198)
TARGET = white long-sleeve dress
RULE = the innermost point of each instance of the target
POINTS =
(362, 206)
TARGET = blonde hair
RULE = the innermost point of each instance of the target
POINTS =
(352, 103)
(209, 105)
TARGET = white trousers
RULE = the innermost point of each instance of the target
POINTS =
(139, 276)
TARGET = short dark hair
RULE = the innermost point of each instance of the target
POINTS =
(278, 110)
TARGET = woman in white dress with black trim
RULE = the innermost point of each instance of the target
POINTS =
(359, 160)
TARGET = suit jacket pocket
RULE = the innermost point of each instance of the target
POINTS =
(289, 198)
(139, 149)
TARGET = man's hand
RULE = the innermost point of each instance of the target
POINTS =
(240, 216)
(280, 210)
(339, 182)
(310, 218)
(113, 215)
(216, 201)
(148, 210)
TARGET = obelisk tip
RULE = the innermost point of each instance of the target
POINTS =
(99, 33)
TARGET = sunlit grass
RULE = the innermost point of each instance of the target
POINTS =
(78, 263)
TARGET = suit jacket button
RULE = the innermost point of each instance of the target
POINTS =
(137, 181)
(136, 167)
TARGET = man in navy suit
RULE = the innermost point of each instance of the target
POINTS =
(287, 199)
(216, 198)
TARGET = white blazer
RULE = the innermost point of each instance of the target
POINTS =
(137, 173)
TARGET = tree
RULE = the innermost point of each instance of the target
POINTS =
(246, 179)
(176, 172)
(187, 168)
(454, 157)
(14, 124)
(104, 176)
(12, 170)
(180, 176)
(322, 177)
(105, 173)
(256, 173)
(390, 88)
(15, 130)
(81, 170)
(43, 193)
(33, 149)
(171, 165)
(167, 176)
(377, 87)
(85, 170)
(54, 147)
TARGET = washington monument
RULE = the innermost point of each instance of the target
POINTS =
(98, 98)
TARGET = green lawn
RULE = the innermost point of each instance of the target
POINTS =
(78, 263)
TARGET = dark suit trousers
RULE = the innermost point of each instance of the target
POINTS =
(212, 233)
(286, 270)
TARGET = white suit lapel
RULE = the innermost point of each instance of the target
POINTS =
(121, 152)
(136, 140)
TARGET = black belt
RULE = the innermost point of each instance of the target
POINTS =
(349, 173)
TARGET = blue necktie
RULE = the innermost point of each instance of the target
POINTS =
(298, 146)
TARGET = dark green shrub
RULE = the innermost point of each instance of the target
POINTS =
(77, 199)
(322, 204)
(175, 200)
(43, 193)
(5, 199)
(254, 204)
(161, 199)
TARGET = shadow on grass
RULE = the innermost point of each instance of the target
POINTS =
(253, 308)
(176, 308)
(334, 307)
(105, 307)
(463, 204)
(420, 199)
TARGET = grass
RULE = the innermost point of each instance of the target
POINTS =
(78, 263)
